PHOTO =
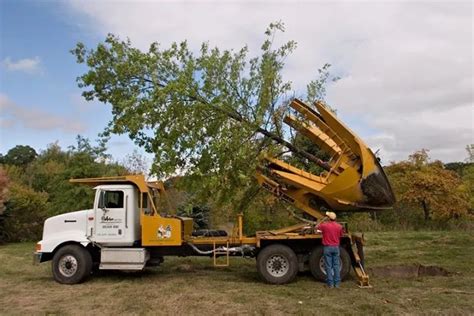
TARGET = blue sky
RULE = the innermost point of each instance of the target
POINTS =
(406, 68)
(45, 102)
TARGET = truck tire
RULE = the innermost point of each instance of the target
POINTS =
(277, 264)
(316, 263)
(72, 264)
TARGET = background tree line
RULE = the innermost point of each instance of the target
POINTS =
(430, 195)
(34, 186)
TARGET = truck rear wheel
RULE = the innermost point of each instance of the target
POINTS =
(316, 263)
(72, 264)
(277, 264)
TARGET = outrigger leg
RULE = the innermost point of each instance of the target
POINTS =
(358, 261)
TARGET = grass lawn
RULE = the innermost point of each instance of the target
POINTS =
(193, 286)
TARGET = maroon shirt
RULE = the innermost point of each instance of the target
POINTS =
(332, 233)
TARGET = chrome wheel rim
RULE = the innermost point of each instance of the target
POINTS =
(277, 266)
(67, 265)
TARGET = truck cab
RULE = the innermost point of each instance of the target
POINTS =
(124, 218)
(115, 220)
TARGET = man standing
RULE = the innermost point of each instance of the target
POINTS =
(332, 232)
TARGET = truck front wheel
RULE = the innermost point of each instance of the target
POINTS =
(71, 264)
(318, 269)
(277, 264)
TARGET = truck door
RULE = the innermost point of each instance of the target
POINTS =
(110, 214)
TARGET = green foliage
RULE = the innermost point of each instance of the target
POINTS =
(199, 214)
(4, 183)
(468, 180)
(25, 213)
(316, 89)
(3, 189)
(459, 167)
(301, 141)
(266, 212)
(136, 163)
(362, 222)
(45, 182)
(209, 115)
(54, 167)
(19, 156)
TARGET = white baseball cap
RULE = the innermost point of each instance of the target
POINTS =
(331, 215)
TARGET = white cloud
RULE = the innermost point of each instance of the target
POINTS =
(27, 65)
(35, 118)
(406, 67)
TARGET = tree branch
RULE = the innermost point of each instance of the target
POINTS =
(274, 137)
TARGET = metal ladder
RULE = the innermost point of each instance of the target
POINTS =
(217, 252)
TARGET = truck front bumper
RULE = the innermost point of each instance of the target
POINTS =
(39, 257)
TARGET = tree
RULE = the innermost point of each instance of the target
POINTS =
(54, 167)
(20, 156)
(3, 189)
(136, 163)
(199, 214)
(459, 167)
(468, 179)
(25, 213)
(465, 170)
(305, 143)
(210, 115)
(42, 189)
(316, 89)
(470, 153)
(428, 186)
(83, 145)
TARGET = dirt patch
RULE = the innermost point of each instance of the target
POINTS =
(408, 271)
(184, 268)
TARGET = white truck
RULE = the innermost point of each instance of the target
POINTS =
(105, 234)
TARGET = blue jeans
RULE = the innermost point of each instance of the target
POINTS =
(331, 262)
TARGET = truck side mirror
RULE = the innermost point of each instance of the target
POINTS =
(101, 200)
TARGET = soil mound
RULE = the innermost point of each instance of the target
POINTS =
(408, 271)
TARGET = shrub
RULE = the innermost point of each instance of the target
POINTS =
(25, 213)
